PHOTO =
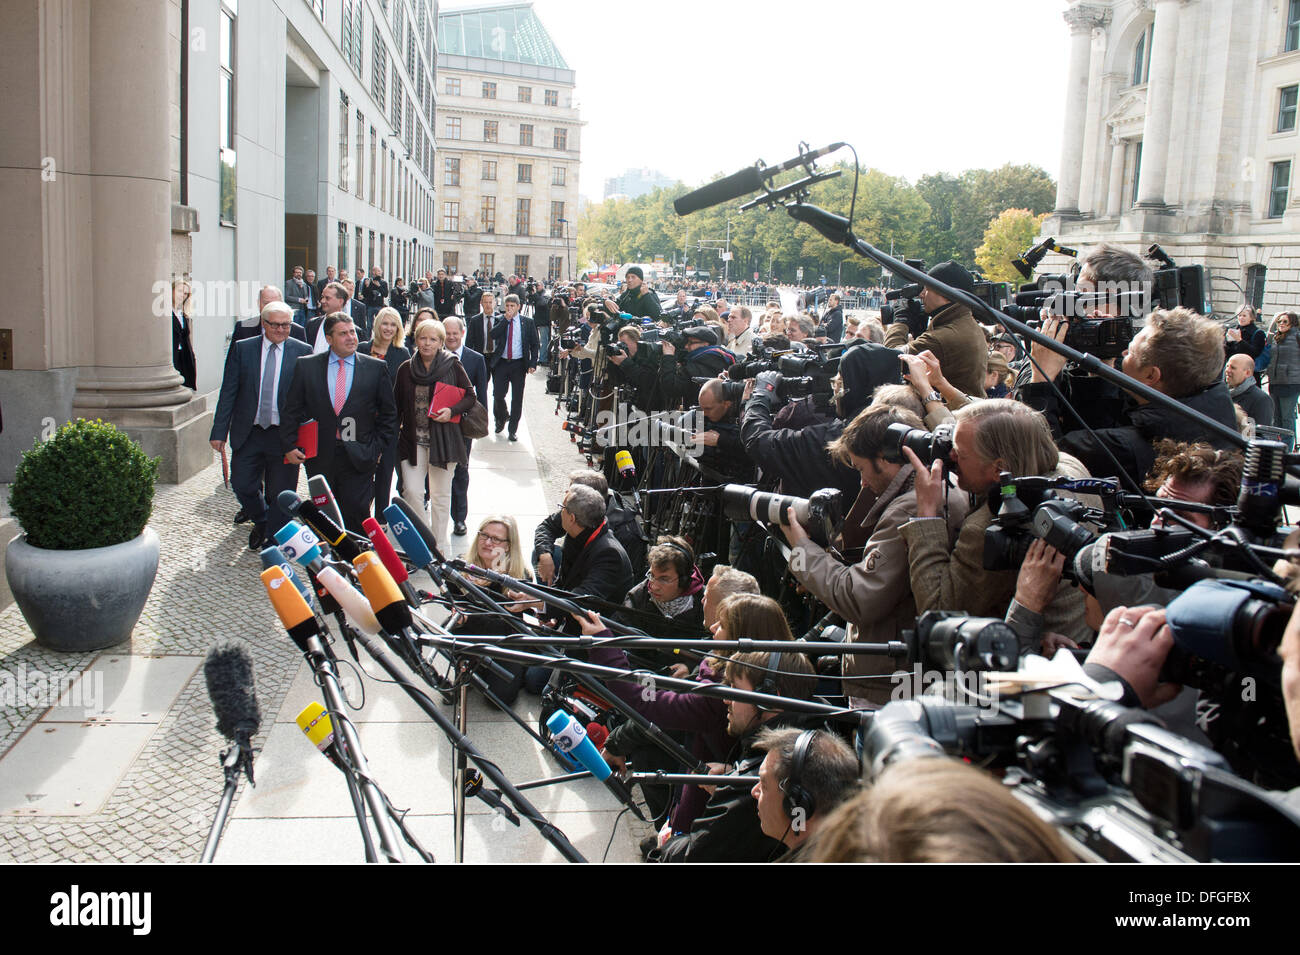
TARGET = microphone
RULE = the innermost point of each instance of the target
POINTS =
(743, 183)
(474, 787)
(228, 671)
(300, 544)
(623, 461)
(351, 600)
(320, 522)
(381, 591)
(293, 611)
(412, 541)
(274, 557)
(315, 722)
(318, 486)
(571, 739)
(392, 563)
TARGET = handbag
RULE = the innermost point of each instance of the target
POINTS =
(474, 423)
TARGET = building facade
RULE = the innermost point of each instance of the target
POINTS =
(219, 141)
(636, 182)
(509, 138)
(1180, 129)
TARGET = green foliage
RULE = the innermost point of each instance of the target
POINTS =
(1006, 237)
(88, 486)
(940, 217)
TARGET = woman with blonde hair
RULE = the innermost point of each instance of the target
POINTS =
(386, 343)
(182, 328)
(431, 442)
(1284, 371)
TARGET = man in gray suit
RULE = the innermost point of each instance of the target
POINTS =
(253, 391)
(295, 294)
(351, 398)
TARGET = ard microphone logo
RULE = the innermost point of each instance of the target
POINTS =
(78, 908)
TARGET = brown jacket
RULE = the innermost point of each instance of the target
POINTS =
(956, 340)
(874, 595)
(446, 443)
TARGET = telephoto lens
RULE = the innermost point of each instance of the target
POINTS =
(929, 446)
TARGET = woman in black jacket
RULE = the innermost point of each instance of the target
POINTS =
(386, 343)
(397, 299)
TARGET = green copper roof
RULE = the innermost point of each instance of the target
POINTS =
(511, 33)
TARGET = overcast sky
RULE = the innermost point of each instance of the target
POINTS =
(697, 87)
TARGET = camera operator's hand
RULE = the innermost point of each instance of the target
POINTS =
(1053, 642)
(917, 373)
(1234, 335)
(766, 385)
(679, 671)
(617, 359)
(545, 569)
(611, 306)
(794, 531)
(749, 390)
(1133, 643)
(1039, 576)
(1050, 362)
(929, 485)
(667, 348)
(708, 439)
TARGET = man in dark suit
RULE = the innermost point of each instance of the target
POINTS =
(476, 368)
(445, 294)
(330, 276)
(182, 344)
(333, 298)
(351, 398)
(355, 310)
(253, 390)
(515, 344)
(252, 327)
(478, 327)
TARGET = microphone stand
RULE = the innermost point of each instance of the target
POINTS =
(236, 761)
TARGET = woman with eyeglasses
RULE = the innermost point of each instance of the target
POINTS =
(1284, 371)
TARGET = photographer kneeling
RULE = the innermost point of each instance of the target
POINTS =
(992, 436)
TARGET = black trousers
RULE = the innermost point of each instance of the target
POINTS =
(354, 490)
(509, 373)
(460, 488)
(259, 461)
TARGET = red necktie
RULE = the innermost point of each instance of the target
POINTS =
(340, 388)
(510, 340)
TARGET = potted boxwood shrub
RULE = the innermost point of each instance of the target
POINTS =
(83, 569)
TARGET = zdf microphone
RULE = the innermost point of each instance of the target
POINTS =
(274, 557)
(381, 590)
(289, 606)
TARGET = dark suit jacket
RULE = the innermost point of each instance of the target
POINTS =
(243, 331)
(393, 358)
(528, 328)
(241, 383)
(358, 311)
(370, 405)
(183, 351)
(474, 335)
(476, 367)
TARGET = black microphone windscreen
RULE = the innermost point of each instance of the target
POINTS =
(723, 190)
(228, 671)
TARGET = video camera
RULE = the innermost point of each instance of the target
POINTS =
(1033, 507)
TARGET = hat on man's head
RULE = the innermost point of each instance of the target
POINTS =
(953, 274)
(636, 270)
(702, 333)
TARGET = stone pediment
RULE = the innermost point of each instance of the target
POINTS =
(1129, 114)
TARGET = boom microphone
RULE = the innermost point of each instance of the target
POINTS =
(318, 486)
(743, 183)
(228, 671)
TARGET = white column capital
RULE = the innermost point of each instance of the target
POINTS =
(1086, 17)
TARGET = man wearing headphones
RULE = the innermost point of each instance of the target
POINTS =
(728, 829)
(804, 775)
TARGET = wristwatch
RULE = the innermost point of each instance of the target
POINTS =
(933, 396)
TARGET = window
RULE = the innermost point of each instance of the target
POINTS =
(1292, 27)
(396, 115)
(1137, 172)
(488, 215)
(489, 90)
(359, 263)
(378, 69)
(226, 111)
(523, 211)
(489, 170)
(318, 7)
(1286, 109)
(557, 220)
(353, 31)
(552, 97)
(485, 262)
(1279, 186)
(451, 172)
(521, 265)
(451, 262)
(561, 139)
(1142, 57)
(557, 176)
(383, 181)
(525, 172)
(451, 217)
(525, 134)
(361, 158)
(555, 268)
(452, 86)
(344, 112)
(374, 171)
(343, 246)
(489, 130)
(525, 94)
(1255, 275)
(453, 127)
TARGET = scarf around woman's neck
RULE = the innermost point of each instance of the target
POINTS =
(431, 374)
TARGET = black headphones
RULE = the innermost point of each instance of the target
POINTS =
(683, 580)
(797, 797)
(768, 684)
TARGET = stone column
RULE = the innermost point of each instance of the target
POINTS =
(1116, 188)
(1090, 187)
(1160, 100)
(1076, 100)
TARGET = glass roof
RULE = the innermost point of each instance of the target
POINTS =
(511, 33)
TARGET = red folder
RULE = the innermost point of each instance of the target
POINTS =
(307, 438)
(444, 396)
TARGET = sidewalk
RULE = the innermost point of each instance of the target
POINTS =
(128, 770)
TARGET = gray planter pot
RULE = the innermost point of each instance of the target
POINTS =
(82, 600)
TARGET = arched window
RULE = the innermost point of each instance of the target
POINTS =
(1142, 56)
